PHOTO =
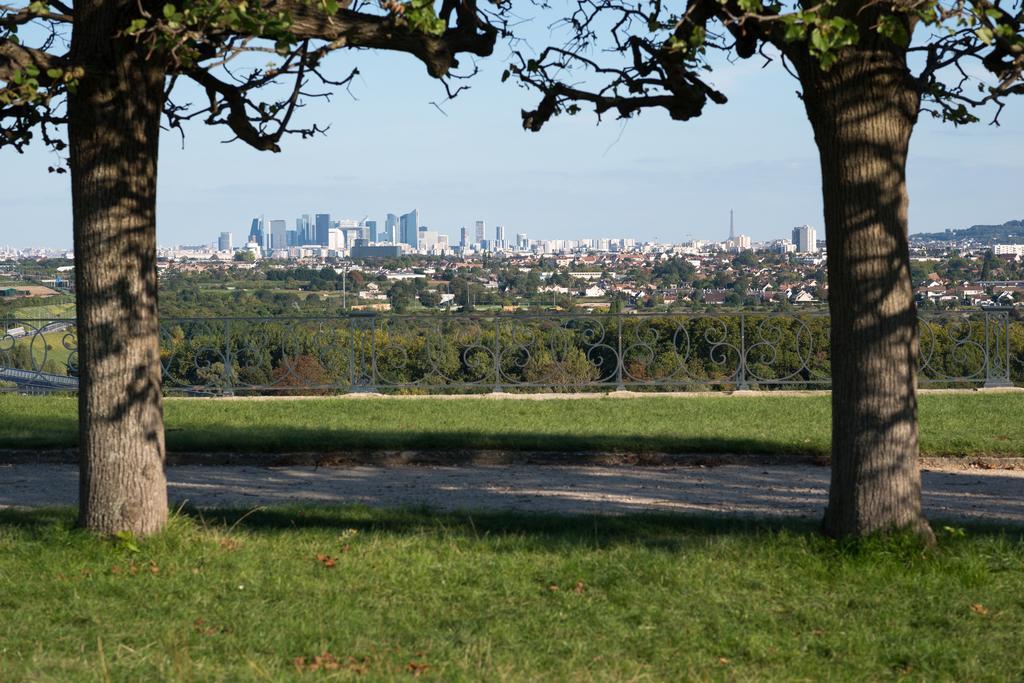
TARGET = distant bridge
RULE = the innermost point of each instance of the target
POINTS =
(33, 381)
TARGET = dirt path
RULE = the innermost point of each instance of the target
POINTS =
(798, 490)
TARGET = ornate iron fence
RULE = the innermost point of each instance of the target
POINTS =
(469, 353)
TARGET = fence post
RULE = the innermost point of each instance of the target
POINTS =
(742, 370)
(993, 340)
(497, 353)
(228, 359)
(619, 360)
(373, 351)
(351, 349)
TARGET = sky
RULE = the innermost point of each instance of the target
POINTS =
(389, 149)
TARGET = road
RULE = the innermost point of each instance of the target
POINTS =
(783, 490)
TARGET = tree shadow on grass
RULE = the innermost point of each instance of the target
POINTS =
(668, 532)
(278, 439)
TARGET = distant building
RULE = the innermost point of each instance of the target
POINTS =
(305, 230)
(361, 250)
(480, 226)
(806, 239)
(463, 237)
(278, 235)
(409, 228)
(521, 242)
(224, 242)
(371, 229)
(256, 231)
(783, 247)
(1008, 249)
(390, 228)
(323, 224)
(499, 236)
(335, 239)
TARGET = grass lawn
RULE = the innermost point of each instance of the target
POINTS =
(951, 424)
(43, 311)
(48, 346)
(392, 594)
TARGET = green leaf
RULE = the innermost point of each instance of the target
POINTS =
(818, 40)
(169, 11)
(136, 26)
(55, 73)
(892, 27)
(126, 540)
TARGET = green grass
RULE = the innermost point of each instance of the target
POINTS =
(495, 597)
(48, 346)
(46, 311)
(951, 424)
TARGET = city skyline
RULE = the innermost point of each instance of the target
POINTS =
(649, 177)
(408, 229)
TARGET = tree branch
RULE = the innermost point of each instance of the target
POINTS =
(347, 28)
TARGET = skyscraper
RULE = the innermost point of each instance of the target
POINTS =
(256, 231)
(499, 235)
(732, 227)
(806, 239)
(409, 228)
(463, 237)
(278, 235)
(391, 228)
(323, 224)
(480, 226)
(305, 230)
(521, 241)
(224, 242)
(371, 229)
(310, 236)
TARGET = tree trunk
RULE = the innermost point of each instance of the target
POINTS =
(862, 111)
(113, 133)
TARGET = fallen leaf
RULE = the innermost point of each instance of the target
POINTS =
(553, 587)
(325, 560)
(328, 662)
(580, 587)
(416, 668)
(723, 661)
(978, 608)
(200, 627)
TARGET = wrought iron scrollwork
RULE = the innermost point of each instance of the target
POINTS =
(445, 352)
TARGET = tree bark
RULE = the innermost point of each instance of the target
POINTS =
(113, 134)
(862, 111)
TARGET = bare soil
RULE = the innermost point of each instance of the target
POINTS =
(952, 490)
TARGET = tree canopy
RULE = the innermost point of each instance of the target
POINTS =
(635, 56)
(230, 50)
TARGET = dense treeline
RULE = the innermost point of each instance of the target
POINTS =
(685, 352)
(372, 351)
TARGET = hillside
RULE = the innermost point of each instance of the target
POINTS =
(1010, 232)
